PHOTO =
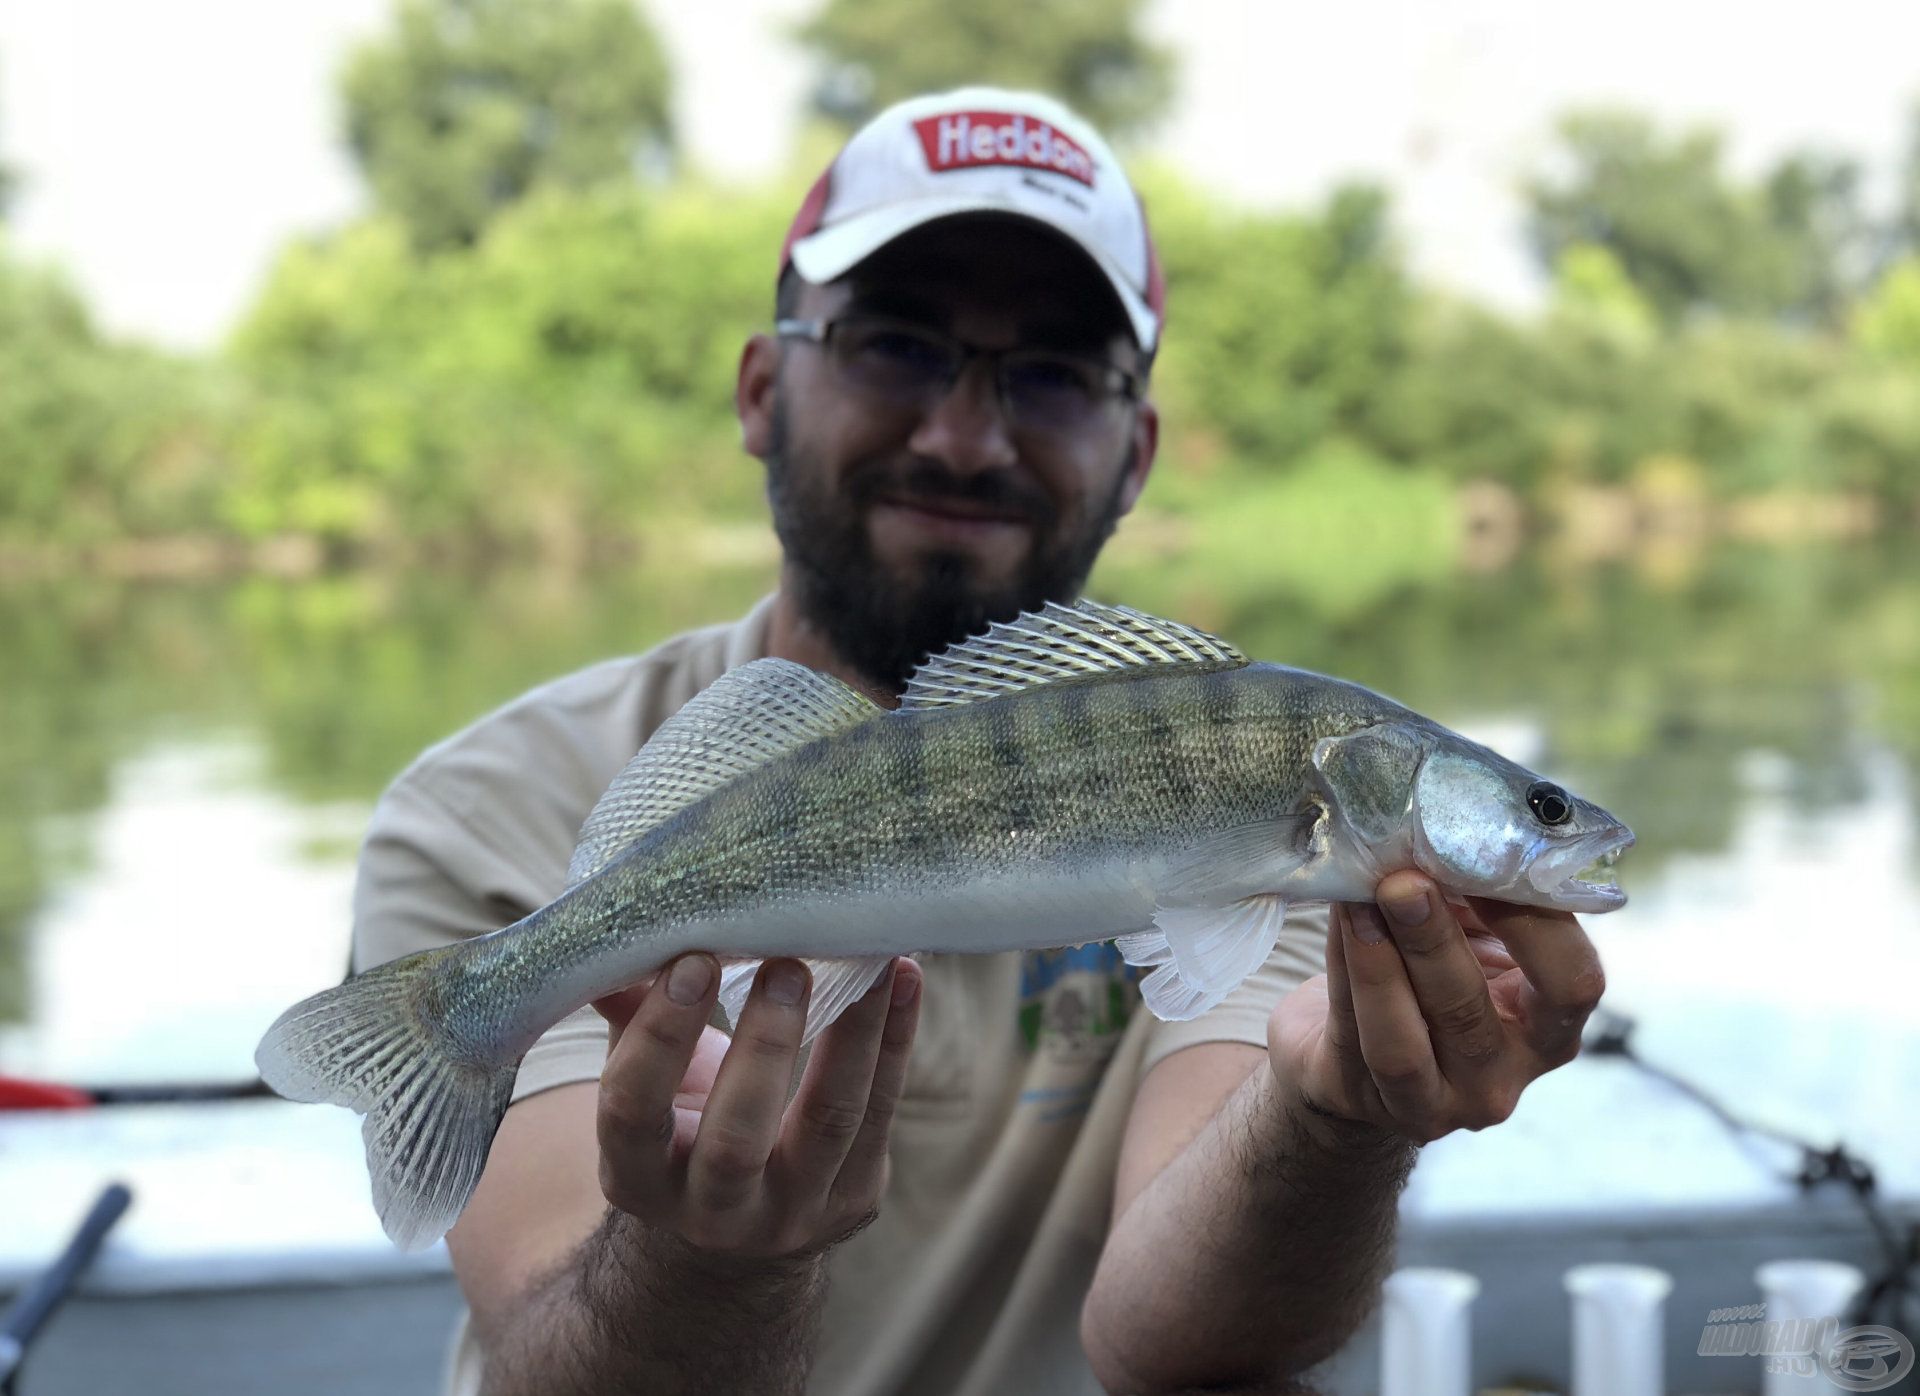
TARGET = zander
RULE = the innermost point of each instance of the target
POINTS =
(1082, 773)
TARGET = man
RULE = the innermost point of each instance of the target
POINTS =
(1051, 1191)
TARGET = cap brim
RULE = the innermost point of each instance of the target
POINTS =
(833, 252)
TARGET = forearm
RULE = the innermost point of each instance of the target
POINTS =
(1253, 1254)
(635, 1310)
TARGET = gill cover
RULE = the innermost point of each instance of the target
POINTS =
(1470, 821)
(1368, 779)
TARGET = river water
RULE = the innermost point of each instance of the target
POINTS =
(188, 769)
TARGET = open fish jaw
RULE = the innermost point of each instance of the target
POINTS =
(1583, 876)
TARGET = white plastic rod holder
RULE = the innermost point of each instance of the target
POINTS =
(1426, 1342)
(1618, 1338)
(1805, 1292)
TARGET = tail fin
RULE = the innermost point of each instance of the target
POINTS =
(380, 1045)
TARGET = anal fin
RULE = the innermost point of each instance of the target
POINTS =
(837, 986)
(1199, 955)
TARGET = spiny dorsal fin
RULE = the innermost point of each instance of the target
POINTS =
(1059, 644)
(741, 720)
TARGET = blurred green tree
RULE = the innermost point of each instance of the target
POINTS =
(1887, 321)
(100, 440)
(1589, 283)
(1090, 54)
(564, 377)
(470, 104)
(1282, 326)
(1903, 233)
(1812, 205)
(1692, 237)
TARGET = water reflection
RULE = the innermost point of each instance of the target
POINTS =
(1778, 971)
(188, 767)
(202, 907)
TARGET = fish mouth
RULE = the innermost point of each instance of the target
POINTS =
(1581, 876)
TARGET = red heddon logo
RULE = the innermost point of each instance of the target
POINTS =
(964, 139)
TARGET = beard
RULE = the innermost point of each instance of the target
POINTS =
(884, 624)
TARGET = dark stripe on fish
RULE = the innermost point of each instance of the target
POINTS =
(910, 777)
(1010, 760)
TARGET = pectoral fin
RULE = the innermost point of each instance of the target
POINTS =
(1270, 848)
(837, 986)
(1199, 955)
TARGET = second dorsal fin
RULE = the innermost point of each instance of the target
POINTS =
(741, 720)
(1058, 645)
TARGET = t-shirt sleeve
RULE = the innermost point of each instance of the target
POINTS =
(1298, 955)
(427, 879)
(573, 1049)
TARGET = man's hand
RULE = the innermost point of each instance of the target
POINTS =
(1421, 1025)
(697, 1137)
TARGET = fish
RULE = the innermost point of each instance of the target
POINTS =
(1084, 772)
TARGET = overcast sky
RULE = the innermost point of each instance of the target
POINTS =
(168, 147)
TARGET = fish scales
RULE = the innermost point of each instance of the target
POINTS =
(989, 767)
(922, 802)
(934, 793)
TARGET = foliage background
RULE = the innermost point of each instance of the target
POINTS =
(526, 348)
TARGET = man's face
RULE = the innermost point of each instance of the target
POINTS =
(907, 528)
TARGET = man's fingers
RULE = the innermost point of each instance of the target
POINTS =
(1463, 911)
(644, 1069)
(1564, 980)
(741, 1120)
(1360, 1098)
(618, 1008)
(1387, 1017)
(1343, 1030)
(866, 1163)
(831, 1103)
(1446, 975)
(1492, 955)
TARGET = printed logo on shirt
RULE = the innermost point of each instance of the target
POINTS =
(1074, 1004)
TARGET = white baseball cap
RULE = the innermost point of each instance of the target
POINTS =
(980, 150)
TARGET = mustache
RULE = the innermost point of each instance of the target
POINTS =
(923, 481)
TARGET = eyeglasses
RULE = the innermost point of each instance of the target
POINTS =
(909, 365)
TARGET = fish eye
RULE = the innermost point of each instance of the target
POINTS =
(1549, 802)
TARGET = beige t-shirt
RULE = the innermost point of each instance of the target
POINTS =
(969, 1282)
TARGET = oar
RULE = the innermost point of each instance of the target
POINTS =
(37, 1302)
(20, 1093)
